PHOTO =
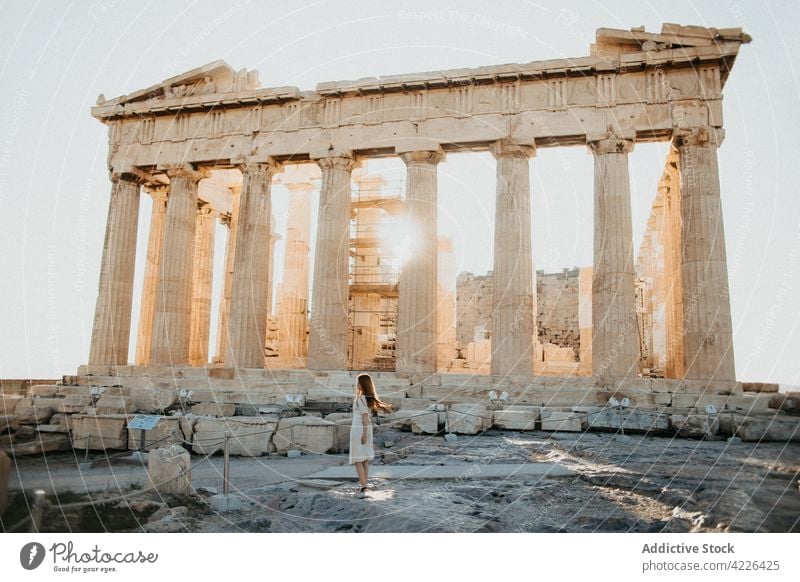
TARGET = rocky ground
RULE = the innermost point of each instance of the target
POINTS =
(616, 483)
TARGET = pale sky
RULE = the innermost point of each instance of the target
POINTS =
(55, 58)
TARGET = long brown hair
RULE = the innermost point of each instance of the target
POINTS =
(366, 388)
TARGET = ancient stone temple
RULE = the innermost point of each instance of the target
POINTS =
(209, 144)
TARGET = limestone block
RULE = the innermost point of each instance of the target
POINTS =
(8, 422)
(695, 426)
(44, 390)
(250, 435)
(684, 400)
(214, 409)
(154, 399)
(170, 470)
(43, 444)
(8, 404)
(630, 420)
(761, 428)
(554, 420)
(74, 403)
(762, 387)
(337, 416)
(165, 433)
(342, 434)
(306, 433)
(187, 423)
(662, 398)
(100, 432)
(5, 470)
(34, 410)
(52, 428)
(114, 405)
(468, 419)
(516, 418)
(789, 402)
(748, 403)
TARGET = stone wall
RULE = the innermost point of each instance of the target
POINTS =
(557, 314)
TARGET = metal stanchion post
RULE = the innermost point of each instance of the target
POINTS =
(227, 465)
(37, 510)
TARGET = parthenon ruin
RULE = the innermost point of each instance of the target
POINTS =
(207, 145)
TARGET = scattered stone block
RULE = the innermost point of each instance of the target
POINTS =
(516, 418)
(250, 435)
(225, 503)
(763, 387)
(165, 433)
(74, 403)
(170, 470)
(8, 404)
(633, 420)
(553, 420)
(44, 390)
(684, 400)
(151, 400)
(215, 409)
(108, 404)
(760, 428)
(44, 444)
(52, 428)
(293, 453)
(187, 423)
(695, 426)
(789, 402)
(8, 422)
(25, 432)
(306, 433)
(99, 432)
(468, 419)
(33, 410)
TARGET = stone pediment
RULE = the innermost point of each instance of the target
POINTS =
(211, 79)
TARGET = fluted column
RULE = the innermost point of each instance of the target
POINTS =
(247, 323)
(417, 317)
(512, 297)
(147, 311)
(327, 348)
(201, 285)
(708, 330)
(230, 221)
(615, 337)
(294, 288)
(171, 329)
(112, 316)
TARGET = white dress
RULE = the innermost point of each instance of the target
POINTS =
(359, 452)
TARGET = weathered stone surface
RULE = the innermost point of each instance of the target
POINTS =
(697, 426)
(34, 410)
(165, 433)
(468, 419)
(52, 428)
(305, 433)
(760, 428)
(341, 442)
(154, 399)
(419, 421)
(100, 432)
(8, 404)
(114, 405)
(214, 409)
(630, 420)
(5, 469)
(74, 403)
(250, 436)
(684, 400)
(44, 390)
(170, 470)
(44, 444)
(554, 420)
(789, 402)
(187, 423)
(516, 418)
(763, 387)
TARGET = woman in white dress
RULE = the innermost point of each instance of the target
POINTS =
(361, 447)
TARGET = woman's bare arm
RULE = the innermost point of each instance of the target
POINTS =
(365, 423)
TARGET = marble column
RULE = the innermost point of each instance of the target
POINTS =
(112, 317)
(147, 310)
(512, 297)
(201, 285)
(294, 288)
(247, 322)
(615, 337)
(708, 330)
(230, 221)
(172, 324)
(327, 348)
(417, 318)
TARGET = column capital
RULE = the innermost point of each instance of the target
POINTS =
(157, 191)
(430, 157)
(132, 177)
(611, 145)
(225, 219)
(205, 209)
(187, 171)
(346, 163)
(270, 167)
(512, 149)
(703, 136)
